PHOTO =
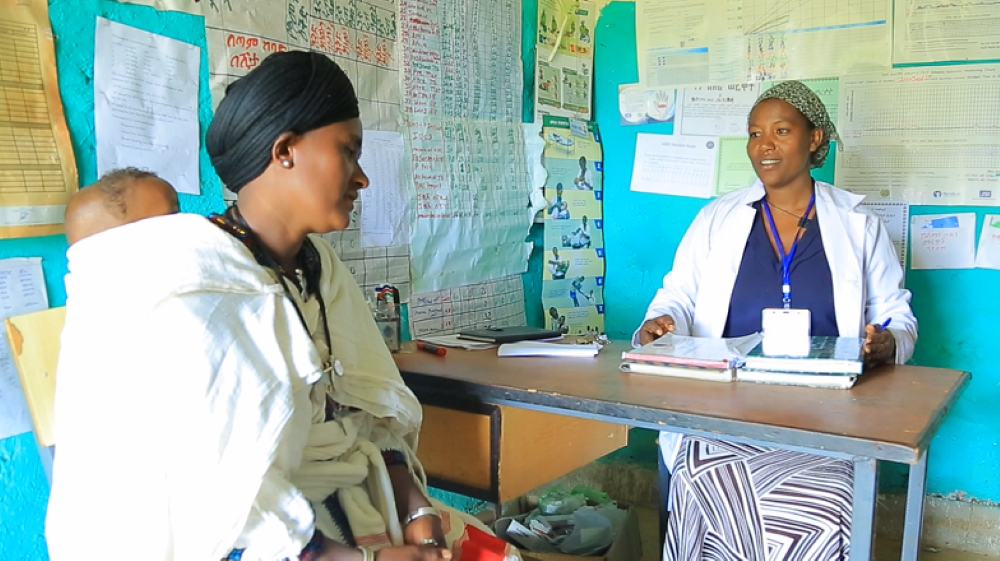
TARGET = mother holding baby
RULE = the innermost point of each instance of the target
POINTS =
(223, 390)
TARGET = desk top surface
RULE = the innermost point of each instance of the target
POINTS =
(890, 414)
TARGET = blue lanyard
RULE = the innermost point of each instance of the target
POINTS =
(786, 260)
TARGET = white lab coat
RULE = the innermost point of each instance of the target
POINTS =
(867, 286)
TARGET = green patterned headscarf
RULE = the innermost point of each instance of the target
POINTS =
(799, 96)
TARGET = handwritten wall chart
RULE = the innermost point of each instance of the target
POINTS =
(359, 35)
(462, 111)
(37, 170)
(496, 303)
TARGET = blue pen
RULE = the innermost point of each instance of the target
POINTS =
(884, 325)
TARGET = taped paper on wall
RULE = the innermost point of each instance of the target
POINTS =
(944, 241)
(37, 170)
(146, 104)
(22, 291)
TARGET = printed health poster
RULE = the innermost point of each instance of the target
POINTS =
(573, 276)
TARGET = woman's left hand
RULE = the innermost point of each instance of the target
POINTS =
(880, 346)
(423, 529)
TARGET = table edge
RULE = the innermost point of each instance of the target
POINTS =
(439, 389)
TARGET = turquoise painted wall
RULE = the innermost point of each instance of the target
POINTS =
(957, 309)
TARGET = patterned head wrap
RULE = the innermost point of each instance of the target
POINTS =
(799, 96)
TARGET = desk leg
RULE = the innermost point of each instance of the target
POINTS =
(914, 521)
(863, 512)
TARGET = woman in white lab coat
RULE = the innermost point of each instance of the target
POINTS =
(840, 264)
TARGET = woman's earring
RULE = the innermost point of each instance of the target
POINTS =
(287, 164)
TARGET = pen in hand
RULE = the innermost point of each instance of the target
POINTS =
(884, 325)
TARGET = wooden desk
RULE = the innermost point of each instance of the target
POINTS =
(890, 415)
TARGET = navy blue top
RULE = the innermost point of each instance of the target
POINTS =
(758, 283)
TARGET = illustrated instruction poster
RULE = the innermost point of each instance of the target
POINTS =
(565, 58)
(573, 274)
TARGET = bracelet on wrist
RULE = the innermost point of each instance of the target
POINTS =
(421, 512)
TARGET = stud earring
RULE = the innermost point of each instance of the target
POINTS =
(287, 164)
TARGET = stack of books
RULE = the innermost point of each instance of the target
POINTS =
(680, 356)
(833, 362)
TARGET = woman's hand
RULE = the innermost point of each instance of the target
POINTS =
(423, 529)
(655, 328)
(413, 553)
(409, 498)
(880, 346)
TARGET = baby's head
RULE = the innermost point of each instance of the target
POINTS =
(119, 197)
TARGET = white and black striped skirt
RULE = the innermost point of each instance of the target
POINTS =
(737, 502)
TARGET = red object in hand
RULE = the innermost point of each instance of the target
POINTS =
(477, 545)
(433, 349)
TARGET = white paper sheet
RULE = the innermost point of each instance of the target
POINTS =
(672, 41)
(639, 105)
(988, 254)
(761, 40)
(945, 30)
(462, 58)
(943, 241)
(534, 147)
(22, 290)
(462, 119)
(895, 216)
(927, 135)
(193, 7)
(472, 196)
(386, 203)
(715, 110)
(146, 104)
(498, 303)
(541, 348)
(688, 43)
(675, 165)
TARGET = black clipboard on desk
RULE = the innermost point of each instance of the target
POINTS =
(500, 335)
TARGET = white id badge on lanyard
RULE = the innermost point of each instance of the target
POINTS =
(785, 331)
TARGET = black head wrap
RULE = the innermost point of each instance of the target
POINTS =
(293, 91)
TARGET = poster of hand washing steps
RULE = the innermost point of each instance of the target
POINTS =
(573, 276)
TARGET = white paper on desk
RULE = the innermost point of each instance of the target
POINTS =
(385, 204)
(988, 254)
(675, 165)
(943, 241)
(541, 348)
(146, 104)
(22, 290)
